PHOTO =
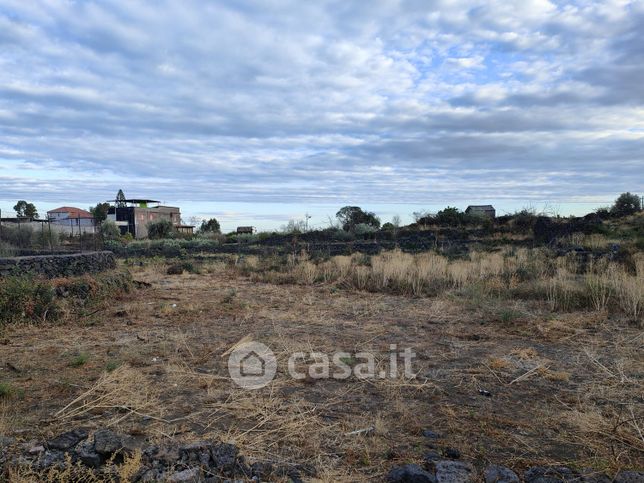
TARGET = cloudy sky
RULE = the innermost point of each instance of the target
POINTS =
(257, 112)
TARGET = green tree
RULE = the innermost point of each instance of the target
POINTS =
(450, 216)
(120, 199)
(99, 212)
(160, 229)
(109, 230)
(210, 226)
(24, 209)
(626, 204)
(351, 216)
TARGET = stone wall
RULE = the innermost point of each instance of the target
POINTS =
(58, 265)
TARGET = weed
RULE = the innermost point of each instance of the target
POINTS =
(6, 390)
(80, 360)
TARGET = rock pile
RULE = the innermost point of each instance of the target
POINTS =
(103, 451)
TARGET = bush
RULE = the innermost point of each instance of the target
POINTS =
(7, 249)
(626, 204)
(160, 229)
(19, 236)
(351, 216)
(109, 230)
(24, 298)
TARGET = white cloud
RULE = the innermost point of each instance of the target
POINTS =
(299, 101)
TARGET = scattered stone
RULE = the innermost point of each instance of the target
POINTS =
(499, 474)
(485, 393)
(224, 457)
(189, 475)
(549, 474)
(410, 474)
(36, 449)
(86, 453)
(107, 442)
(431, 457)
(454, 472)
(68, 440)
(176, 269)
(629, 477)
(452, 453)
(427, 433)
(261, 470)
(50, 459)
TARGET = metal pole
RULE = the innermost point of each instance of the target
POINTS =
(80, 235)
(51, 242)
(42, 235)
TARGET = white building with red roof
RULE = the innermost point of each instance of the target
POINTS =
(69, 218)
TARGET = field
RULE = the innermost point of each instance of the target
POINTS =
(522, 358)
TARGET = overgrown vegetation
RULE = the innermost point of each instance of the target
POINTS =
(565, 282)
(24, 298)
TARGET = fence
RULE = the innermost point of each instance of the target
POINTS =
(33, 236)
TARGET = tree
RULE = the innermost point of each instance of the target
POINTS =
(351, 216)
(450, 216)
(24, 209)
(160, 229)
(99, 212)
(120, 199)
(210, 226)
(109, 230)
(626, 204)
(294, 226)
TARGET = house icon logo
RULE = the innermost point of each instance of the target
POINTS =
(252, 365)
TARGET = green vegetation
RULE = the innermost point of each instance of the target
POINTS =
(25, 209)
(79, 360)
(24, 298)
(210, 226)
(352, 216)
(161, 229)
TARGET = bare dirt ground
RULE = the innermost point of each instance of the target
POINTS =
(562, 388)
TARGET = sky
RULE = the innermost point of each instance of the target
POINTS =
(257, 112)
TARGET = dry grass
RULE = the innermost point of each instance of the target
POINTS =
(565, 385)
(124, 391)
(603, 284)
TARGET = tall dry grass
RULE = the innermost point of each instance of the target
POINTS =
(535, 273)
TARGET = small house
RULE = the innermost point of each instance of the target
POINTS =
(245, 230)
(481, 210)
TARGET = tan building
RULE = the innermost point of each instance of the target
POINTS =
(136, 215)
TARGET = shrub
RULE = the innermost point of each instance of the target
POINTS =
(160, 229)
(626, 204)
(351, 216)
(109, 230)
(26, 298)
(19, 236)
(210, 226)
(7, 249)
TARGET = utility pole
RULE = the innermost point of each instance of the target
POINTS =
(307, 217)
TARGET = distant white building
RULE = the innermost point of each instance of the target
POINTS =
(68, 219)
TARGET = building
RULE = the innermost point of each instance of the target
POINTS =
(134, 217)
(71, 220)
(245, 230)
(481, 210)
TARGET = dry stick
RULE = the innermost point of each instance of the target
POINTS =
(526, 375)
(493, 373)
(599, 364)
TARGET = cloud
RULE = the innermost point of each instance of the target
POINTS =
(321, 102)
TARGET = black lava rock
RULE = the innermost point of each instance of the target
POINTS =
(410, 474)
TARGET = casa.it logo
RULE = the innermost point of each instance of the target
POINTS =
(252, 365)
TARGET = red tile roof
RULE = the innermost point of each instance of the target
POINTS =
(72, 212)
